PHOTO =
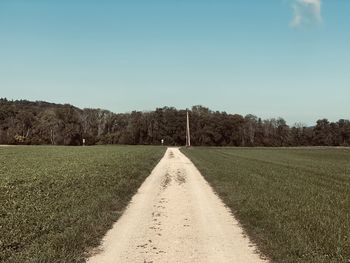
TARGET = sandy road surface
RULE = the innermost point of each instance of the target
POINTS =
(175, 217)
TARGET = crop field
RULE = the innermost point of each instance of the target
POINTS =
(294, 203)
(57, 202)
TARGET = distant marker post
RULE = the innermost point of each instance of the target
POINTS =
(188, 136)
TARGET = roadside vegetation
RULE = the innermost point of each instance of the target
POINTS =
(294, 203)
(57, 202)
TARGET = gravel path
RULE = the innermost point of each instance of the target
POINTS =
(176, 217)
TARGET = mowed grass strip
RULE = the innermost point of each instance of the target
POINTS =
(294, 203)
(57, 202)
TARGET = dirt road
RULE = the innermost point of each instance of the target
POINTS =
(176, 217)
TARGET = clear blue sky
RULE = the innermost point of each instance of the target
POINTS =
(270, 58)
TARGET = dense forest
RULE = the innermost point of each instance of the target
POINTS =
(25, 122)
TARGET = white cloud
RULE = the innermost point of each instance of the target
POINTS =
(306, 12)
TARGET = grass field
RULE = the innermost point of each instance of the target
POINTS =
(57, 202)
(295, 203)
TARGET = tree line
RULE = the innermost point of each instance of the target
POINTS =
(26, 122)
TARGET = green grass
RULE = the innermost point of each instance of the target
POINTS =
(294, 203)
(57, 202)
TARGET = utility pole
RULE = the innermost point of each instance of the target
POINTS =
(188, 136)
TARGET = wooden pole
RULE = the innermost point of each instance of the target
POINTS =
(188, 136)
